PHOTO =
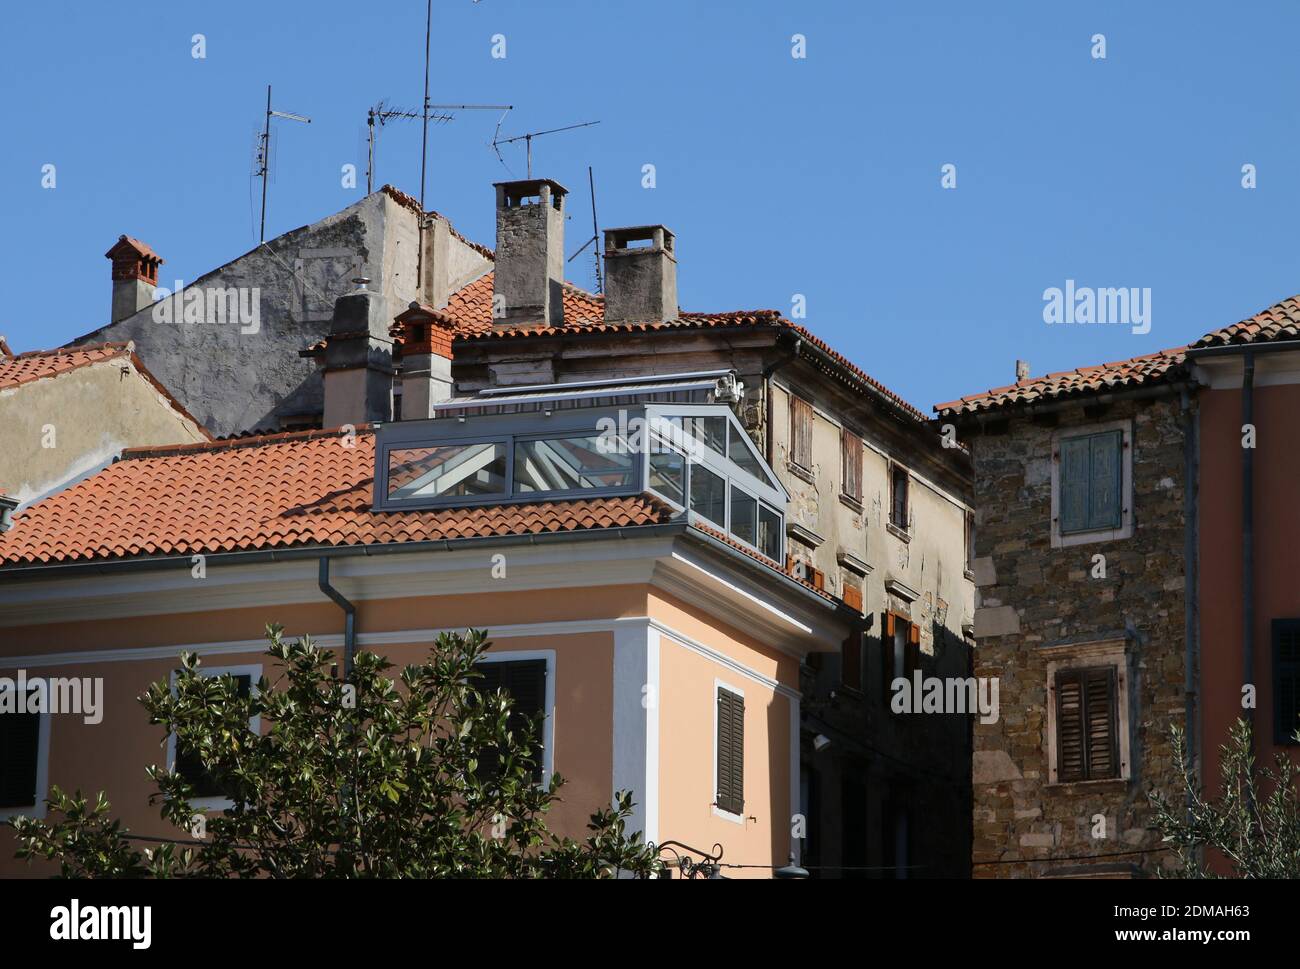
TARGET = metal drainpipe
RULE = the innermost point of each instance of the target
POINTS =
(1248, 533)
(350, 621)
(1191, 580)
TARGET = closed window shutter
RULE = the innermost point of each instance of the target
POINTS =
(1104, 486)
(731, 752)
(1086, 735)
(801, 420)
(524, 681)
(1286, 680)
(1090, 482)
(851, 461)
(1073, 484)
(887, 655)
(898, 496)
(912, 661)
(20, 738)
(189, 766)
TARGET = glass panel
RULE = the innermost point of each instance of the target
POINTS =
(740, 453)
(668, 474)
(572, 464)
(744, 516)
(447, 470)
(769, 533)
(708, 495)
(709, 431)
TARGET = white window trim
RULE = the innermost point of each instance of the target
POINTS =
(254, 672)
(37, 810)
(548, 702)
(1110, 652)
(719, 684)
(1125, 529)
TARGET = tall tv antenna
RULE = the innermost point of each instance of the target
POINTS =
(595, 235)
(380, 115)
(264, 152)
(528, 137)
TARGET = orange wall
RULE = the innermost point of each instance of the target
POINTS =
(1277, 537)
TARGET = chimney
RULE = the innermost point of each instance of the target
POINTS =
(135, 276)
(1022, 371)
(528, 283)
(426, 360)
(358, 368)
(640, 280)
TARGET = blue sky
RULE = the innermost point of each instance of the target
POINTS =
(818, 176)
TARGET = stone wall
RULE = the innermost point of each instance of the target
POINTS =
(1030, 596)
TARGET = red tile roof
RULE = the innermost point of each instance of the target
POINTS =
(277, 491)
(1279, 322)
(1106, 376)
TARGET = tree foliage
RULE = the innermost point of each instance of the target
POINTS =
(415, 776)
(1254, 821)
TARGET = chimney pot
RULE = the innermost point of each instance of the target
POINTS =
(528, 281)
(426, 360)
(640, 280)
(135, 276)
(358, 361)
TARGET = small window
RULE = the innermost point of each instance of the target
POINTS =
(447, 470)
(187, 763)
(801, 427)
(901, 648)
(1090, 482)
(851, 465)
(20, 759)
(668, 474)
(744, 517)
(731, 752)
(572, 464)
(898, 481)
(1286, 681)
(709, 495)
(1086, 731)
(525, 682)
(769, 533)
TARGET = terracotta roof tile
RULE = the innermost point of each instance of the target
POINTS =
(1134, 372)
(1279, 322)
(36, 364)
(276, 491)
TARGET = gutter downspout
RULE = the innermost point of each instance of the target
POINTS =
(1191, 581)
(1248, 533)
(350, 622)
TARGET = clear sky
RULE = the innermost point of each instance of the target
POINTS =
(818, 176)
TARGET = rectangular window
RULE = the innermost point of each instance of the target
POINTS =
(769, 533)
(970, 542)
(1086, 731)
(1090, 482)
(447, 470)
(731, 752)
(851, 464)
(1286, 681)
(524, 681)
(901, 648)
(801, 427)
(898, 481)
(187, 763)
(709, 495)
(572, 464)
(668, 474)
(744, 517)
(740, 454)
(20, 751)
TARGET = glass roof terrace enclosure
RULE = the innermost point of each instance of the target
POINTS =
(560, 444)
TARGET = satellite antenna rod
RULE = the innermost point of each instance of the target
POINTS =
(264, 152)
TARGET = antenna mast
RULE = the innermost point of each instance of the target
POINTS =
(528, 137)
(264, 153)
(595, 235)
(382, 114)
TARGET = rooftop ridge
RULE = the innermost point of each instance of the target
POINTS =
(235, 443)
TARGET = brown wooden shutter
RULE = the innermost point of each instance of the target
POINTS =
(852, 596)
(912, 651)
(1086, 735)
(731, 752)
(801, 423)
(887, 655)
(851, 462)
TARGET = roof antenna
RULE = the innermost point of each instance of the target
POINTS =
(528, 137)
(595, 235)
(381, 114)
(264, 152)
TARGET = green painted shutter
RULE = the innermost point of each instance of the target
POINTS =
(731, 752)
(1073, 484)
(1104, 480)
(20, 737)
(1286, 680)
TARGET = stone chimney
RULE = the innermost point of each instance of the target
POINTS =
(640, 280)
(426, 360)
(528, 282)
(358, 367)
(1022, 371)
(135, 276)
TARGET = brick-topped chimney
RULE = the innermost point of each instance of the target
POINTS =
(528, 282)
(426, 360)
(135, 276)
(640, 280)
(358, 362)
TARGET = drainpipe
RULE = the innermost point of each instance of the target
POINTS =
(350, 622)
(1248, 533)
(1191, 582)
